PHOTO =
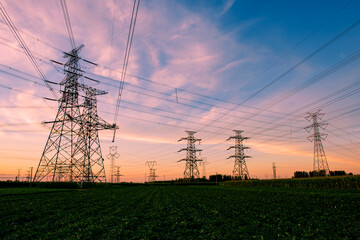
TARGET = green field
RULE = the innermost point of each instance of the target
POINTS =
(179, 212)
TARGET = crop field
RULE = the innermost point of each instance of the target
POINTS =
(179, 212)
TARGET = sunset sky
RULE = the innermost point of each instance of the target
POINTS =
(256, 66)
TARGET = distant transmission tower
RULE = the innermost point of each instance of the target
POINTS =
(117, 174)
(240, 171)
(191, 168)
(320, 162)
(203, 165)
(112, 156)
(72, 151)
(29, 175)
(17, 178)
(274, 171)
(152, 176)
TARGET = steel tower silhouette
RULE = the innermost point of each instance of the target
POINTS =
(72, 151)
(320, 162)
(191, 168)
(152, 176)
(58, 160)
(112, 156)
(240, 171)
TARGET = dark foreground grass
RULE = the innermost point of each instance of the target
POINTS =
(339, 182)
(180, 212)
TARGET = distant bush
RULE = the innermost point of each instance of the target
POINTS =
(320, 173)
(220, 178)
(62, 185)
(14, 184)
(338, 173)
(301, 174)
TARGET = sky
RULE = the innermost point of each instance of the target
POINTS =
(206, 66)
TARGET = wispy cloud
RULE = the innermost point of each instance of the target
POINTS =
(226, 7)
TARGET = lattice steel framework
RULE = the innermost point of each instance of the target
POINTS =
(191, 168)
(240, 171)
(112, 156)
(72, 151)
(152, 175)
(117, 174)
(88, 144)
(58, 160)
(320, 162)
(274, 171)
(203, 164)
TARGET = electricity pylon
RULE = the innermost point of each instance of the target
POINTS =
(191, 168)
(152, 176)
(72, 151)
(240, 171)
(117, 174)
(112, 156)
(320, 162)
(274, 171)
(88, 143)
(58, 158)
(203, 164)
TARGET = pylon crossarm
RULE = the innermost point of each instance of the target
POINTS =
(323, 125)
(309, 128)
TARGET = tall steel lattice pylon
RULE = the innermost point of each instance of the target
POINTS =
(117, 174)
(58, 160)
(72, 151)
(152, 176)
(320, 162)
(191, 168)
(88, 143)
(203, 164)
(240, 171)
(274, 171)
(112, 156)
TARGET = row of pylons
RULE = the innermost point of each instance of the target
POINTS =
(240, 171)
(73, 153)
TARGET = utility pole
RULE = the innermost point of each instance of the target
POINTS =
(152, 175)
(112, 155)
(274, 171)
(240, 171)
(191, 169)
(320, 162)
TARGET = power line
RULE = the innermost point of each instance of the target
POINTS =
(68, 23)
(187, 99)
(126, 58)
(291, 69)
(26, 50)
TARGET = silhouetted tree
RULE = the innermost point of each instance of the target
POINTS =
(301, 174)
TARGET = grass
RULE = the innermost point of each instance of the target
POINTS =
(339, 182)
(179, 212)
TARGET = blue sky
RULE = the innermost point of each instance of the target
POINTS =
(227, 50)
